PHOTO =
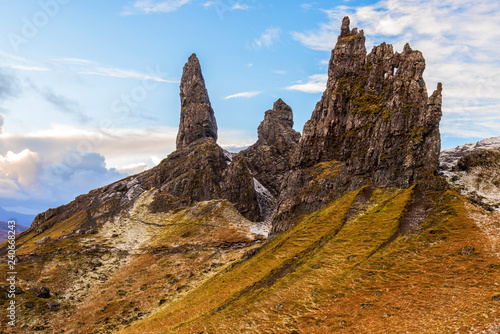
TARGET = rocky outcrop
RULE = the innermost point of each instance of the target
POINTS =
(197, 116)
(375, 119)
(188, 175)
(270, 157)
(239, 188)
(449, 158)
(375, 114)
(474, 169)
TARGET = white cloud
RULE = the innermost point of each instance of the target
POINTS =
(460, 40)
(226, 6)
(2, 119)
(281, 72)
(27, 180)
(150, 6)
(315, 84)
(133, 168)
(243, 94)
(267, 39)
(22, 168)
(239, 6)
(306, 6)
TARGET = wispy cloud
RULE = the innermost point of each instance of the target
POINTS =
(9, 85)
(226, 5)
(458, 38)
(243, 95)
(2, 118)
(72, 61)
(267, 38)
(124, 74)
(18, 63)
(65, 105)
(4, 54)
(26, 68)
(315, 84)
(150, 6)
(89, 67)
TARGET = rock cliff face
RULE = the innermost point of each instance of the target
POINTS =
(270, 157)
(375, 114)
(197, 116)
(374, 118)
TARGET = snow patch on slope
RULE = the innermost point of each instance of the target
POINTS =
(266, 206)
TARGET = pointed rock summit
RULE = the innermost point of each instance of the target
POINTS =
(269, 158)
(197, 116)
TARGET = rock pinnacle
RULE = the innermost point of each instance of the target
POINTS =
(197, 116)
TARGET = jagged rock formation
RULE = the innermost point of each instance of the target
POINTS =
(474, 169)
(197, 116)
(375, 114)
(449, 158)
(270, 157)
(375, 118)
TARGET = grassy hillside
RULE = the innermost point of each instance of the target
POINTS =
(350, 268)
(374, 261)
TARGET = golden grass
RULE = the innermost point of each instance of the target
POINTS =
(355, 282)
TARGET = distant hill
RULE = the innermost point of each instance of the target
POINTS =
(20, 218)
(4, 230)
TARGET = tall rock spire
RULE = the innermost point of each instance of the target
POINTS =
(197, 116)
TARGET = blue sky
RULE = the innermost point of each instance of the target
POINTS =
(89, 89)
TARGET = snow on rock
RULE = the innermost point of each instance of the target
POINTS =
(479, 183)
(449, 157)
(228, 155)
(265, 199)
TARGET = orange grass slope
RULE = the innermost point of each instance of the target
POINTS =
(382, 261)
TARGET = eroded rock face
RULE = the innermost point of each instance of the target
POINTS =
(197, 116)
(476, 174)
(375, 124)
(270, 157)
(238, 187)
(375, 114)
